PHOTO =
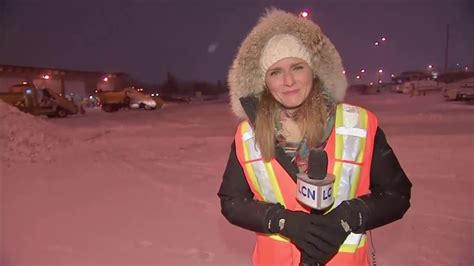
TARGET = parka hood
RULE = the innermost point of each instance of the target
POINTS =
(246, 76)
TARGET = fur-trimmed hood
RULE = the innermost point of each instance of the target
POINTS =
(245, 74)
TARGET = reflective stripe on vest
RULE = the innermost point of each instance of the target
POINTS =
(351, 133)
(261, 173)
(350, 137)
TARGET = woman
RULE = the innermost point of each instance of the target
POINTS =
(286, 86)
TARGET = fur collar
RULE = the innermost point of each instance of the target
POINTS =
(245, 75)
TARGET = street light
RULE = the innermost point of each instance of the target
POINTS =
(304, 14)
(384, 39)
(46, 77)
(357, 77)
(376, 43)
(106, 79)
(379, 74)
(362, 71)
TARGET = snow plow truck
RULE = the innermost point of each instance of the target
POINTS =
(112, 101)
(30, 99)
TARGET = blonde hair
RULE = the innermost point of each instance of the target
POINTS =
(311, 119)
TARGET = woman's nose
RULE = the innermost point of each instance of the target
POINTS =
(289, 79)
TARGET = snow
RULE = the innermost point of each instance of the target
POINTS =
(25, 138)
(139, 187)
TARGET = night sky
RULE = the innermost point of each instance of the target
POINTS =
(197, 39)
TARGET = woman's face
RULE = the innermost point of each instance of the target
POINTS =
(289, 81)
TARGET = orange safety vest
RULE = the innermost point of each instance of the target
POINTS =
(349, 150)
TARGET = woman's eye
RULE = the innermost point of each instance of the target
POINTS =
(274, 72)
(298, 67)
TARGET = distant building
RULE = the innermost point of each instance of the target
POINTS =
(411, 75)
(454, 76)
(74, 83)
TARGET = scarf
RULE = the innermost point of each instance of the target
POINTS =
(290, 138)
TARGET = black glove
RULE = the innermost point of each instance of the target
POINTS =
(333, 228)
(297, 226)
(319, 236)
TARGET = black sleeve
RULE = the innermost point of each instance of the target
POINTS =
(390, 188)
(237, 203)
(388, 201)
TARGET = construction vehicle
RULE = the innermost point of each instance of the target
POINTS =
(417, 87)
(112, 101)
(462, 90)
(30, 99)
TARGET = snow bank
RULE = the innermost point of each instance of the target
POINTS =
(26, 138)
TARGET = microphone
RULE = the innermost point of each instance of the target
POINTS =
(315, 188)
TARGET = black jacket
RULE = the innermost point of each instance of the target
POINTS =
(388, 201)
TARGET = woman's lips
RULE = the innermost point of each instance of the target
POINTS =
(290, 92)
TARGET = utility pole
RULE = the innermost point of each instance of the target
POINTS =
(3, 27)
(446, 50)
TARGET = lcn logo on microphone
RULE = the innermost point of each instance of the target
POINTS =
(314, 193)
(311, 193)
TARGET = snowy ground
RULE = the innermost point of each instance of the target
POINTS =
(139, 187)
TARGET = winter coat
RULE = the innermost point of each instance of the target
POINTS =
(388, 201)
(390, 188)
